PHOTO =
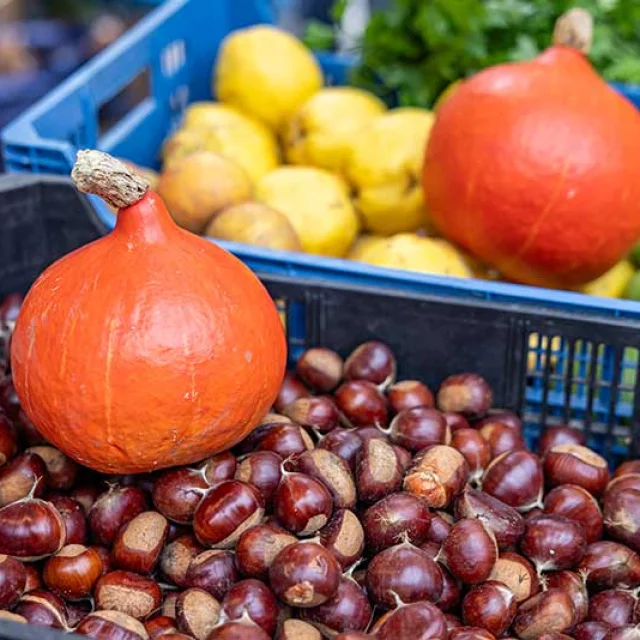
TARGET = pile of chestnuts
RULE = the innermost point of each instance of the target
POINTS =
(362, 507)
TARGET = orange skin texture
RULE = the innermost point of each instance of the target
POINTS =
(535, 168)
(147, 348)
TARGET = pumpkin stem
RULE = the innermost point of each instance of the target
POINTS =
(574, 29)
(102, 175)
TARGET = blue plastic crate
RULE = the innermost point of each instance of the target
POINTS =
(569, 377)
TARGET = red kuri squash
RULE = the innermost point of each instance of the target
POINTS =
(534, 167)
(150, 347)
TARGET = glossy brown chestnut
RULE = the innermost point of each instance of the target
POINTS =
(408, 394)
(257, 547)
(31, 529)
(622, 516)
(470, 633)
(74, 516)
(347, 610)
(332, 472)
(439, 526)
(506, 524)
(302, 503)
(219, 468)
(34, 580)
(574, 585)
(469, 551)
(437, 475)
(627, 467)
(553, 436)
(197, 613)
(176, 557)
(451, 590)
(378, 471)
(553, 542)
(137, 596)
(160, 625)
(491, 606)
(42, 609)
(455, 421)
(474, 448)
(517, 573)
(139, 542)
(549, 611)
(613, 607)
(61, 470)
(111, 624)
(293, 629)
(403, 572)
(503, 416)
(320, 368)
(317, 412)
(238, 630)
(86, 494)
(344, 537)
(345, 443)
(73, 571)
(610, 565)
(418, 428)
(285, 440)
(590, 631)
(501, 438)
(112, 509)
(372, 361)
(575, 464)
(169, 605)
(254, 599)
(13, 580)
(214, 571)
(22, 476)
(225, 512)
(262, 469)
(516, 479)
(396, 517)
(465, 393)
(362, 403)
(417, 620)
(627, 481)
(177, 493)
(304, 574)
(290, 390)
(577, 504)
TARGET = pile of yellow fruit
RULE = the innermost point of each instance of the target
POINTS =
(281, 161)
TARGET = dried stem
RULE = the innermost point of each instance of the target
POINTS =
(574, 29)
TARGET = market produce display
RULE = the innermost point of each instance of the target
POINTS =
(362, 506)
(149, 347)
(334, 171)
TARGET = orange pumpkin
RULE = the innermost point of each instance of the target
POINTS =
(535, 167)
(150, 347)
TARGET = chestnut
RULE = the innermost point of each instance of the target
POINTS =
(372, 361)
(86, 495)
(344, 537)
(255, 599)
(378, 471)
(111, 624)
(219, 468)
(501, 438)
(257, 547)
(437, 475)
(262, 469)
(177, 492)
(27, 432)
(549, 611)
(197, 613)
(225, 512)
(553, 436)
(332, 472)
(285, 440)
(415, 620)
(553, 542)
(8, 440)
(22, 476)
(31, 529)
(404, 457)
(455, 421)
(112, 509)
(503, 416)
(622, 516)
(345, 443)
(320, 368)
(590, 631)
(418, 428)
(302, 503)
(451, 590)
(304, 574)
(13, 580)
(474, 448)
(362, 403)
(292, 629)
(574, 585)
(347, 610)
(42, 609)
(470, 633)
(575, 464)
(396, 517)
(516, 479)
(61, 470)
(176, 557)
(214, 571)
(9, 399)
(491, 606)
(318, 412)
(137, 596)
(577, 504)
(469, 551)
(439, 526)
(403, 572)
(610, 565)
(33, 581)
(628, 632)
(408, 394)
(465, 393)
(78, 611)
(169, 605)
(517, 573)
(73, 571)
(244, 629)
(627, 467)
(368, 433)
(159, 626)
(506, 524)
(613, 607)
(291, 389)
(627, 481)
(74, 516)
